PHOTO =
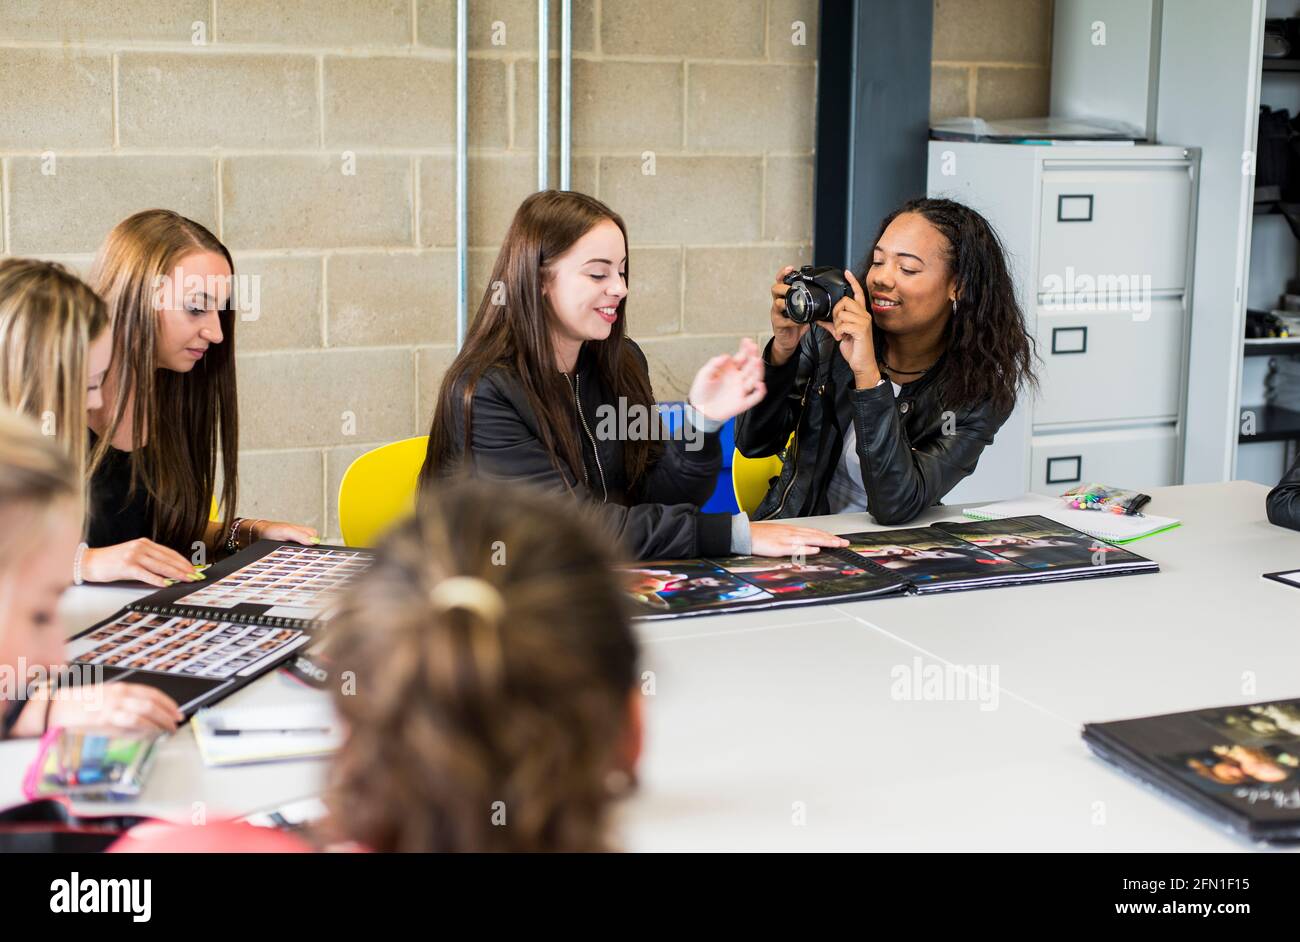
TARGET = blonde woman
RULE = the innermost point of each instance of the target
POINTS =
(55, 344)
(54, 349)
(40, 526)
(170, 411)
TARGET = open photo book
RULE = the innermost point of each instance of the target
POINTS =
(944, 557)
(198, 642)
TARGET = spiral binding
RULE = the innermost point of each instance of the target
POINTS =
(846, 555)
(268, 621)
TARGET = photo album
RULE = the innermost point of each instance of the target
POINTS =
(199, 642)
(940, 558)
(1239, 765)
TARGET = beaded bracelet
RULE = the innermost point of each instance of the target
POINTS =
(232, 540)
(232, 544)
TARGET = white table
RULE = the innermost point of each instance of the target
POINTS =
(755, 712)
(779, 730)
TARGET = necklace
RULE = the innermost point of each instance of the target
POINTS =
(904, 372)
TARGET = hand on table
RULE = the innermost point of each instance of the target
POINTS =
(284, 532)
(783, 539)
(118, 705)
(142, 560)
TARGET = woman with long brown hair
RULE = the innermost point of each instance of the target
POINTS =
(549, 389)
(170, 407)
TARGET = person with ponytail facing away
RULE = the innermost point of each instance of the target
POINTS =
(548, 356)
(40, 525)
(491, 699)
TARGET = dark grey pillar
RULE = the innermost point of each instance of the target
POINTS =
(873, 119)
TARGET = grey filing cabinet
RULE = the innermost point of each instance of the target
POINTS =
(1099, 239)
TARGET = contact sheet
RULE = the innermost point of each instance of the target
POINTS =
(200, 642)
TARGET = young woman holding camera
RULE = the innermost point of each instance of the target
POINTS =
(892, 392)
(548, 352)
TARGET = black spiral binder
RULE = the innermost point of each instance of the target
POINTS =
(240, 618)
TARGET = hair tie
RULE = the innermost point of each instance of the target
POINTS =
(483, 641)
(468, 592)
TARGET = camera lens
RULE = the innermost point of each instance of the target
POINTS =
(796, 303)
(806, 303)
(800, 303)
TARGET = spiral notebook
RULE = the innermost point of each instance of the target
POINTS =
(1114, 528)
(200, 642)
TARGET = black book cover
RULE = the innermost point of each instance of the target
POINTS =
(1240, 765)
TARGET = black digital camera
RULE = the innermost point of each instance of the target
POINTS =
(814, 292)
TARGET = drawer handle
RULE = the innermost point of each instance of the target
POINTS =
(1069, 339)
(1065, 470)
(1074, 207)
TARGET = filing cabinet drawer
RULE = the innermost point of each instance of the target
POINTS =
(1121, 222)
(1101, 366)
(1138, 458)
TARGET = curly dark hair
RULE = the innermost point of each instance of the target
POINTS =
(990, 354)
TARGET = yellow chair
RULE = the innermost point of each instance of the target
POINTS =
(752, 477)
(378, 489)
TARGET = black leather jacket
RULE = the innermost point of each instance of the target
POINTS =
(659, 518)
(908, 462)
(1283, 504)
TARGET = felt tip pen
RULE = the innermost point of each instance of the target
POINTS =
(318, 730)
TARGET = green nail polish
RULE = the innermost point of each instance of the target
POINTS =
(315, 539)
(169, 582)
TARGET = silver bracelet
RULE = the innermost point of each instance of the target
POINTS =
(76, 564)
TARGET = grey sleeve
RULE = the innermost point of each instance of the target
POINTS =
(742, 543)
(699, 420)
